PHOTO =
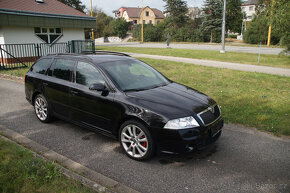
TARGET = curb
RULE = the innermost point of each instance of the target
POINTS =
(70, 168)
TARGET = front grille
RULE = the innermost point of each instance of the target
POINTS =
(207, 116)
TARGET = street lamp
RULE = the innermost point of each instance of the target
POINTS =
(224, 28)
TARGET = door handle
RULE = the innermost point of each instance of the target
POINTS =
(74, 92)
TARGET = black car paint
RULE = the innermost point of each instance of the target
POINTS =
(105, 113)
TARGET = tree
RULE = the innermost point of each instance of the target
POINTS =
(120, 27)
(102, 25)
(234, 15)
(177, 10)
(212, 18)
(77, 4)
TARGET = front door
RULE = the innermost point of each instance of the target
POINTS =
(89, 106)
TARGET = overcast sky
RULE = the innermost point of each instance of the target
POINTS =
(109, 5)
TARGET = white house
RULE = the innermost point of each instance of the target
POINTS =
(41, 21)
(249, 8)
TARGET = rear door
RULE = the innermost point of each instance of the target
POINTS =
(89, 106)
(58, 86)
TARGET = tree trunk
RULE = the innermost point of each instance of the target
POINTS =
(211, 36)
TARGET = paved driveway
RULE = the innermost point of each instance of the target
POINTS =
(243, 160)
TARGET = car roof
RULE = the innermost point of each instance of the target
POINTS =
(96, 58)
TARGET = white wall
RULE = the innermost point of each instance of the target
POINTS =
(21, 35)
(1, 36)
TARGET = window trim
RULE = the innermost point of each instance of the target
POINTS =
(48, 33)
(46, 72)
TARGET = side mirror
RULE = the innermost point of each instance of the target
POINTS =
(99, 87)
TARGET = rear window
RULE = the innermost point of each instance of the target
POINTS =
(63, 69)
(41, 66)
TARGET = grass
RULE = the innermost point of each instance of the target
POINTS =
(21, 171)
(252, 99)
(244, 58)
(16, 72)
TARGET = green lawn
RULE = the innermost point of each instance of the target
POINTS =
(244, 58)
(16, 72)
(252, 99)
(21, 171)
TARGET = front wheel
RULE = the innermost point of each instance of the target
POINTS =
(42, 109)
(136, 140)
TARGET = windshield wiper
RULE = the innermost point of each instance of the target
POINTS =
(134, 90)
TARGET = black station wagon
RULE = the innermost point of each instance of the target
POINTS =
(124, 98)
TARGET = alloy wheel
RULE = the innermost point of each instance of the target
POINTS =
(134, 141)
(40, 106)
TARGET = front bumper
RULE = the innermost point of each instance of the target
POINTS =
(188, 140)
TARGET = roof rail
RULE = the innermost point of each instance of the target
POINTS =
(58, 54)
(103, 52)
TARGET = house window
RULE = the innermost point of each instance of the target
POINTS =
(249, 17)
(150, 21)
(143, 21)
(251, 8)
(147, 13)
(158, 22)
(48, 35)
(134, 21)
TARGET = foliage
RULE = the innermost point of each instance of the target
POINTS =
(77, 4)
(274, 12)
(212, 19)
(119, 27)
(234, 15)
(177, 10)
(102, 24)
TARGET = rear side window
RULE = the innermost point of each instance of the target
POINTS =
(41, 66)
(63, 69)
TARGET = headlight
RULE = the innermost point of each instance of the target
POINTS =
(181, 123)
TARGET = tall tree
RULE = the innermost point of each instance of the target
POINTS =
(212, 17)
(234, 15)
(177, 10)
(77, 4)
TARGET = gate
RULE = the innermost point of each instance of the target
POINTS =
(15, 56)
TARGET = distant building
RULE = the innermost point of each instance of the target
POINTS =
(133, 14)
(194, 12)
(41, 21)
(249, 7)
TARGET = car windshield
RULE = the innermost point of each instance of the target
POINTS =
(134, 75)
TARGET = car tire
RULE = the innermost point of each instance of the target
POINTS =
(42, 109)
(136, 140)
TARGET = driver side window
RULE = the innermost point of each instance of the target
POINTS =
(87, 74)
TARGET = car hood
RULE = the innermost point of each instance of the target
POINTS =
(172, 101)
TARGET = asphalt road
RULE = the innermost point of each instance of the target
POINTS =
(244, 49)
(243, 160)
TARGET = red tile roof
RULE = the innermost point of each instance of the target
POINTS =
(136, 12)
(48, 6)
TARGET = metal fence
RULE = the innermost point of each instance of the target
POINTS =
(23, 55)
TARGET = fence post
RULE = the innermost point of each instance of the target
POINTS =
(2, 60)
(72, 46)
(93, 46)
(37, 50)
(68, 46)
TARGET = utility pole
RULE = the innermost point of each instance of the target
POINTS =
(224, 28)
(92, 16)
(270, 26)
(142, 36)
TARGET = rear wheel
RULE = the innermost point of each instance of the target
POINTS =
(136, 140)
(42, 109)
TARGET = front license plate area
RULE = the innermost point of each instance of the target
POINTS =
(214, 129)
